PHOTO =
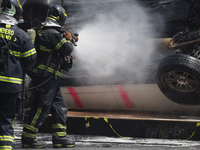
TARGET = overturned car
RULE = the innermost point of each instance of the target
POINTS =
(178, 74)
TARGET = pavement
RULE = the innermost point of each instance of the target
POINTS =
(88, 142)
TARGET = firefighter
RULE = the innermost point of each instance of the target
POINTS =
(18, 54)
(50, 46)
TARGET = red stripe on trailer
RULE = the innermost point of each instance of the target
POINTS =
(125, 97)
(75, 97)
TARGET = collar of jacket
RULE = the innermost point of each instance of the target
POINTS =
(50, 23)
(51, 27)
(6, 19)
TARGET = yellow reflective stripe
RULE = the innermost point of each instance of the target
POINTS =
(13, 122)
(23, 55)
(49, 70)
(64, 12)
(28, 135)
(19, 4)
(40, 32)
(29, 127)
(11, 79)
(28, 53)
(13, 126)
(51, 18)
(6, 138)
(8, 26)
(61, 43)
(59, 134)
(56, 17)
(59, 126)
(15, 53)
(57, 144)
(44, 49)
(5, 147)
(39, 110)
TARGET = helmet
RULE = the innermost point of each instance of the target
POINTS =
(11, 8)
(57, 13)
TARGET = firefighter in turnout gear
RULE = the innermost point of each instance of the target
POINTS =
(50, 46)
(17, 53)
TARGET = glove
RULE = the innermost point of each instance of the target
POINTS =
(68, 35)
(76, 37)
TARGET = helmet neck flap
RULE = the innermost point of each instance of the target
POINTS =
(6, 19)
(50, 22)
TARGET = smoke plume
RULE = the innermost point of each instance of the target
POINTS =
(117, 44)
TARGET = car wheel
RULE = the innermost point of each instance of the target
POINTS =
(178, 77)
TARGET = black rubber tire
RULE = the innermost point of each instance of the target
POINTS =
(178, 77)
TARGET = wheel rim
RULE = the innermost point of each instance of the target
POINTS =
(181, 81)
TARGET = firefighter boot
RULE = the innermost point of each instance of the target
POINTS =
(59, 142)
(32, 143)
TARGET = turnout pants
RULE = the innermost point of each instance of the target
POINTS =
(47, 98)
(9, 107)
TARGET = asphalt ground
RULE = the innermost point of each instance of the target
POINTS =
(92, 142)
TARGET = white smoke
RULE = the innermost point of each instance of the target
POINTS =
(118, 43)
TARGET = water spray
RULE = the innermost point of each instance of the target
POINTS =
(117, 44)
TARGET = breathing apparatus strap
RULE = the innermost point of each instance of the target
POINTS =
(47, 63)
(56, 68)
(42, 60)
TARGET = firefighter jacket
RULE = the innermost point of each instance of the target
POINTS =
(50, 46)
(22, 55)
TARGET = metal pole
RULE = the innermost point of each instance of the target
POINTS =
(62, 3)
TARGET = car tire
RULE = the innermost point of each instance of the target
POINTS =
(178, 77)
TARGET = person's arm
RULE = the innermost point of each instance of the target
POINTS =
(29, 54)
(62, 45)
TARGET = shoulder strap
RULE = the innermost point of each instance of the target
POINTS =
(47, 63)
(48, 57)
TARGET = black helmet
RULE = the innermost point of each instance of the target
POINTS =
(57, 13)
(11, 7)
